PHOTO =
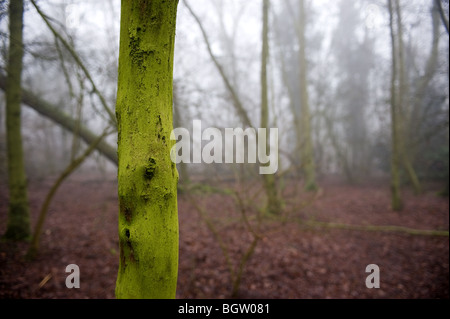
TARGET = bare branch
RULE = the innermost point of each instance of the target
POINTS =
(53, 113)
(78, 61)
(443, 16)
(231, 90)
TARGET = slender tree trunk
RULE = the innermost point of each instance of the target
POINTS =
(395, 157)
(415, 122)
(401, 105)
(18, 227)
(338, 149)
(273, 206)
(424, 81)
(148, 220)
(269, 181)
(264, 60)
(290, 92)
(307, 151)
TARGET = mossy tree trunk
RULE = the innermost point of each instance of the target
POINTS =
(273, 202)
(18, 227)
(307, 150)
(148, 220)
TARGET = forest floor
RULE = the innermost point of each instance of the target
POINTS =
(306, 253)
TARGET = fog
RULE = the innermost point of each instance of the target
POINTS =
(349, 66)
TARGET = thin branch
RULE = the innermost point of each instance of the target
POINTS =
(63, 67)
(34, 246)
(231, 90)
(79, 115)
(55, 114)
(216, 234)
(78, 61)
(443, 16)
(237, 282)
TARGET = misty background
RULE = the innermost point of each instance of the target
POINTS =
(349, 66)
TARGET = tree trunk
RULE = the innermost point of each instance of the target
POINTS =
(268, 181)
(415, 121)
(18, 227)
(307, 151)
(395, 157)
(273, 205)
(148, 220)
(401, 105)
(338, 149)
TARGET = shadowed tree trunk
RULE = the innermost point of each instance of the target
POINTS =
(148, 220)
(18, 227)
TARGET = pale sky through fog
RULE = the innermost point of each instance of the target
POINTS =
(94, 26)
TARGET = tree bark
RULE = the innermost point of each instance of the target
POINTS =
(273, 202)
(307, 150)
(395, 157)
(18, 226)
(415, 123)
(148, 220)
(401, 105)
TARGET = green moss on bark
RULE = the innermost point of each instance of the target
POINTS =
(148, 220)
(18, 226)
